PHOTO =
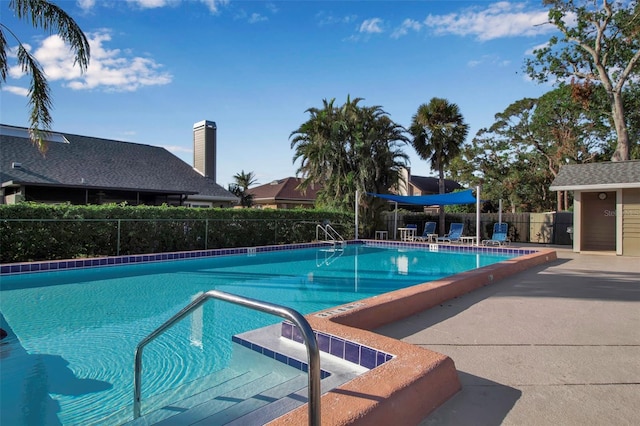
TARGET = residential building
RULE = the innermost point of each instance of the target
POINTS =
(284, 194)
(92, 170)
(423, 185)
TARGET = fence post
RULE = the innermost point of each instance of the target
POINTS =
(206, 234)
(118, 245)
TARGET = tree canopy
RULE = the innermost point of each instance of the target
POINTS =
(600, 43)
(51, 18)
(517, 158)
(240, 186)
(438, 130)
(347, 148)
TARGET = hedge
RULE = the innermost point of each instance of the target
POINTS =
(31, 231)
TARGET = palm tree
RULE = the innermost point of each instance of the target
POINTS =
(349, 148)
(49, 17)
(438, 131)
(242, 183)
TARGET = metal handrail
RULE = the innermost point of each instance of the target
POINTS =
(330, 233)
(313, 354)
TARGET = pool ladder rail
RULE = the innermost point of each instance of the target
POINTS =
(313, 353)
(330, 236)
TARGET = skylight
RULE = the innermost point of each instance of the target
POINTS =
(21, 132)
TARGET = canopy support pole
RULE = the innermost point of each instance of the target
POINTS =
(500, 211)
(395, 222)
(356, 208)
(477, 215)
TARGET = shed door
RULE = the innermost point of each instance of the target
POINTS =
(598, 231)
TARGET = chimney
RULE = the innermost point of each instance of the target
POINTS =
(204, 148)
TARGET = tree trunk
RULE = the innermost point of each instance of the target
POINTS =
(617, 110)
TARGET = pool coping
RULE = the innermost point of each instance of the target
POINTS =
(402, 390)
(100, 262)
(407, 388)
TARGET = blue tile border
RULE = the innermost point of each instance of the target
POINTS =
(52, 265)
(292, 362)
(349, 351)
(452, 247)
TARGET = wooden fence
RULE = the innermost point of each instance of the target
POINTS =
(542, 228)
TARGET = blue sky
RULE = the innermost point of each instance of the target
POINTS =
(254, 67)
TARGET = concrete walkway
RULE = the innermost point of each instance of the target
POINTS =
(555, 345)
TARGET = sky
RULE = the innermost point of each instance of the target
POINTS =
(158, 67)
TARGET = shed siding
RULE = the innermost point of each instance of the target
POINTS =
(631, 222)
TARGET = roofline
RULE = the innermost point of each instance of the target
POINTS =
(10, 183)
(595, 187)
(197, 196)
(284, 199)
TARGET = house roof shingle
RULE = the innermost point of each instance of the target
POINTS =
(597, 176)
(100, 163)
(284, 189)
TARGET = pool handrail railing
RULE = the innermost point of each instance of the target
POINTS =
(330, 234)
(313, 352)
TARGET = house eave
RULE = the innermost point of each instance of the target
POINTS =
(14, 183)
(595, 187)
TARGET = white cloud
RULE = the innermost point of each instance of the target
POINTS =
(109, 69)
(256, 17)
(153, 4)
(403, 29)
(20, 91)
(538, 47)
(86, 4)
(502, 19)
(492, 60)
(371, 26)
(212, 5)
(328, 19)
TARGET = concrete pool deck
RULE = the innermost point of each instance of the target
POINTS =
(557, 344)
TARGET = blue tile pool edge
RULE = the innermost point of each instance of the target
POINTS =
(346, 350)
(98, 262)
(58, 265)
(285, 359)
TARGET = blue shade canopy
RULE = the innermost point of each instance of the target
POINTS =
(461, 197)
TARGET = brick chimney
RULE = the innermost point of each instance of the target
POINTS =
(204, 148)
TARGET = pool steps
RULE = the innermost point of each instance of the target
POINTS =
(250, 397)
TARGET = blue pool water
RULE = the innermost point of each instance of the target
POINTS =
(77, 330)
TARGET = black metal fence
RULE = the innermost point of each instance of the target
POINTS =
(23, 240)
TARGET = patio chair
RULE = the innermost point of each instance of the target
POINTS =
(429, 232)
(499, 237)
(454, 235)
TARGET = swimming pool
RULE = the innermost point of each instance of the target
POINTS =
(78, 329)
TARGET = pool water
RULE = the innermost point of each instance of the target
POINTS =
(77, 330)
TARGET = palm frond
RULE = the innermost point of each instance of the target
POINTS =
(39, 99)
(52, 18)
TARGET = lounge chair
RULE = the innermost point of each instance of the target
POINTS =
(429, 232)
(500, 235)
(454, 235)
